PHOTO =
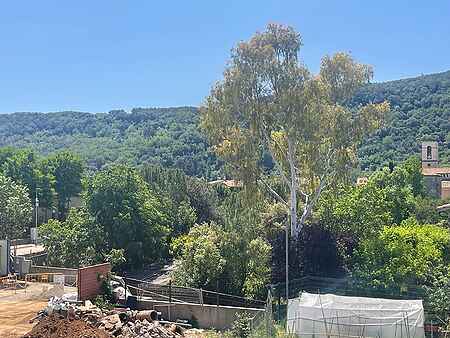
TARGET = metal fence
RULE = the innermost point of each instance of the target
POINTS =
(180, 294)
(351, 287)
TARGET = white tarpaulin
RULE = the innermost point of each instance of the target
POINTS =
(314, 315)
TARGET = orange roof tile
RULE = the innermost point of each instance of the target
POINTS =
(435, 171)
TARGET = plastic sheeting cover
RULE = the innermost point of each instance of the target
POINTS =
(340, 316)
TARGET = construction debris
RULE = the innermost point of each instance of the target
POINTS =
(55, 326)
(62, 317)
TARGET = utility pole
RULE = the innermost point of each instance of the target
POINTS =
(287, 261)
(36, 206)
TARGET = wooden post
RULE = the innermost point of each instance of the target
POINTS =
(170, 299)
(217, 302)
(217, 293)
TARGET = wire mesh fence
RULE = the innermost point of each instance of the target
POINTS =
(277, 303)
(180, 294)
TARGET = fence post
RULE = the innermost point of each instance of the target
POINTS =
(125, 282)
(217, 293)
(201, 296)
(170, 299)
(279, 305)
(217, 302)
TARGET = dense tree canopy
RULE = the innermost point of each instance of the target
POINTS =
(420, 111)
(74, 242)
(188, 200)
(21, 166)
(166, 136)
(403, 255)
(67, 170)
(15, 209)
(129, 214)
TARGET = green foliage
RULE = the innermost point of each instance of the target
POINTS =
(202, 263)
(242, 325)
(258, 268)
(213, 259)
(67, 170)
(438, 292)
(25, 168)
(268, 101)
(414, 177)
(420, 112)
(164, 136)
(15, 208)
(232, 256)
(73, 243)
(357, 213)
(363, 210)
(128, 213)
(187, 200)
(103, 302)
(402, 255)
(116, 257)
(425, 211)
(21, 167)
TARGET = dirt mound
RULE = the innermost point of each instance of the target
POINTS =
(59, 327)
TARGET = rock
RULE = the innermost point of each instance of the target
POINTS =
(120, 323)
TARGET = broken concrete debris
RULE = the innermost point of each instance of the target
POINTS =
(118, 322)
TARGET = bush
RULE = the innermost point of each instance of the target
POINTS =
(242, 325)
(214, 259)
(402, 255)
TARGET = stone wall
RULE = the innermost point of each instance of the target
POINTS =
(445, 189)
(433, 186)
(207, 316)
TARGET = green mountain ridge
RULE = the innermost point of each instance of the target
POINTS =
(171, 137)
(420, 111)
(166, 136)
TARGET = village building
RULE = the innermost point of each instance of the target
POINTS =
(362, 180)
(436, 178)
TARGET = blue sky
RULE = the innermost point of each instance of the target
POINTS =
(103, 55)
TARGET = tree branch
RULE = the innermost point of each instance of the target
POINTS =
(309, 204)
(274, 193)
(277, 164)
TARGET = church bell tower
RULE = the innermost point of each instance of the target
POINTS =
(430, 155)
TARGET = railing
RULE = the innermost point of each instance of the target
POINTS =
(70, 275)
(42, 277)
(9, 282)
(181, 294)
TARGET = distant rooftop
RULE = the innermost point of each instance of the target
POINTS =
(228, 183)
(430, 171)
(443, 207)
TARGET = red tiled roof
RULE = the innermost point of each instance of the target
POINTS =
(435, 171)
(228, 183)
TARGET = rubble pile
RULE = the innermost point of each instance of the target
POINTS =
(63, 317)
(56, 326)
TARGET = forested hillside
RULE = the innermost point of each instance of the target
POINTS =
(170, 136)
(167, 136)
(420, 111)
